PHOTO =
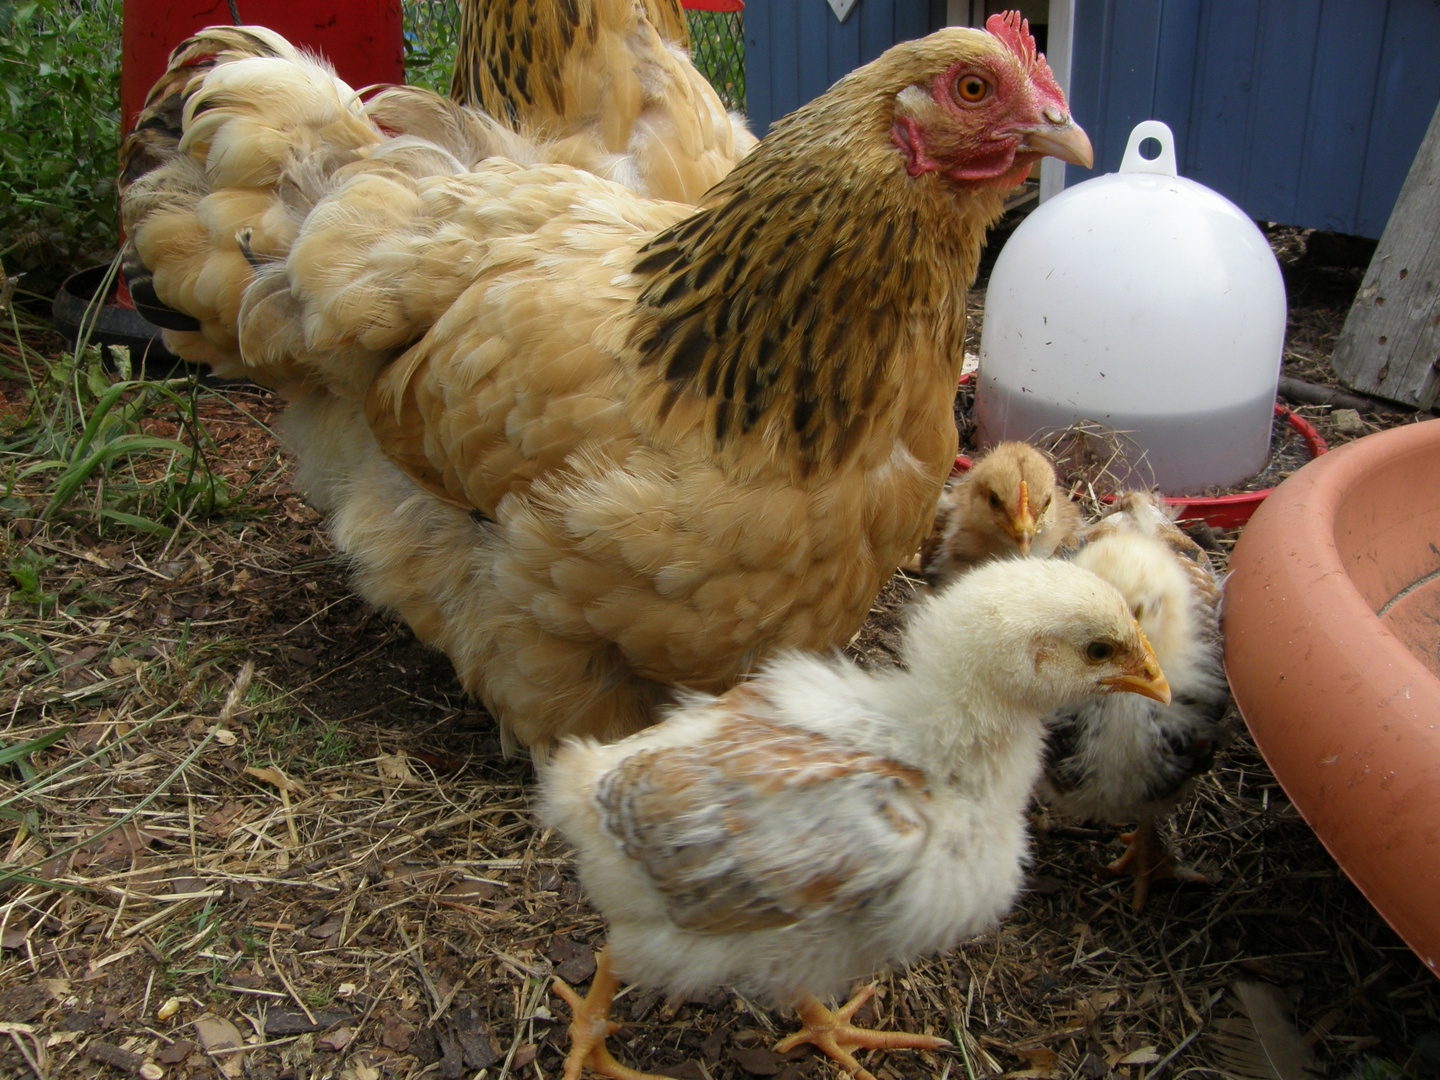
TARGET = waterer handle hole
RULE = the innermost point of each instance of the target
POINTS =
(1155, 137)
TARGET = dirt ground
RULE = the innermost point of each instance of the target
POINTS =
(337, 874)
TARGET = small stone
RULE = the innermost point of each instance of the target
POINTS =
(1347, 422)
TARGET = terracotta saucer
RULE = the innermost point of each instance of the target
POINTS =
(1332, 646)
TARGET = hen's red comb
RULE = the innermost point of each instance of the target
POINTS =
(1014, 31)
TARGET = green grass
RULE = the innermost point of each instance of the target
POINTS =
(81, 453)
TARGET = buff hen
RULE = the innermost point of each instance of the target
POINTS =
(592, 446)
(1008, 503)
(819, 823)
(608, 82)
(1126, 760)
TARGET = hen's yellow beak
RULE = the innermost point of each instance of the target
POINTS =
(1147, 681)
(1059, 138)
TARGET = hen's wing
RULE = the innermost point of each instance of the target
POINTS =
(513, 378)
(764, 825)
(609, 81)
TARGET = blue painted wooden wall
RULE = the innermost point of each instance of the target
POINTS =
(795, 49)
(1305, 112)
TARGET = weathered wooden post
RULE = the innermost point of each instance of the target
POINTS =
(1390, 346)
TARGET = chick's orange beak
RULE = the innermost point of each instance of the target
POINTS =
(1059, 137)
(1022, 525)
(1148, 681)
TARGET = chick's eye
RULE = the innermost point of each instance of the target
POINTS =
(971, 89)
(995, 501)
(1097, 652)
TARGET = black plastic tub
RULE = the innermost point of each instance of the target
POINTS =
(114, 325)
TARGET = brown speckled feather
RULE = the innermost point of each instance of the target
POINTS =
(512, 54)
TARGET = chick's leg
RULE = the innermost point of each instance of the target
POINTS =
(1147, 859)
(590, 1023)
(833, 1035)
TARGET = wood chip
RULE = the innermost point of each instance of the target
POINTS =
(282, 1022)
(116, 1058)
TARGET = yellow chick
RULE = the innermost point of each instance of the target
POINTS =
(1009, 503)
(821, 823)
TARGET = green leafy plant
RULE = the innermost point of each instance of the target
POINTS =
(25, 573)
(59, 133)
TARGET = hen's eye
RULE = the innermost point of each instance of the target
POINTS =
(1097, 652)
(972, 89)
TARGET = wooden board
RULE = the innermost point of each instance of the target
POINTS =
(1390, 346)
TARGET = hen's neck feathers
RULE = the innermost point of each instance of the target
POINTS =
(815, 285)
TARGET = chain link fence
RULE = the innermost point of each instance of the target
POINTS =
(717, 44)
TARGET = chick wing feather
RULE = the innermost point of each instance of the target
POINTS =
(840, 827)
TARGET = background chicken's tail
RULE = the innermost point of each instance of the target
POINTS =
(233, 147)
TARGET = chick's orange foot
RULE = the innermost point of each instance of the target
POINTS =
(590, 1025)
(1147, 860)
(832, 1034)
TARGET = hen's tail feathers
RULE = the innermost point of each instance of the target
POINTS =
(234, 146)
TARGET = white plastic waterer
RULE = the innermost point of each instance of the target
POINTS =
(1146, 302)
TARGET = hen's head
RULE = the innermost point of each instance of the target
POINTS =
(1012, 491)
(979, 107)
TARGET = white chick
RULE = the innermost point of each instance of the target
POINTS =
(1008, 503)
(1128, 760)
(820, 823)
